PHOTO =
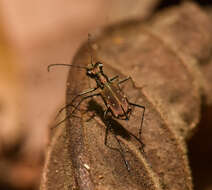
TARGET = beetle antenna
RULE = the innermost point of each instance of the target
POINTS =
(91, 60)
(68, 65)
(90, 48)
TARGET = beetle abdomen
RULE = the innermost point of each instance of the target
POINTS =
(115, 100)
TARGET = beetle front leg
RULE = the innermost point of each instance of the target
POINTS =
(114, 78)
(124, 80)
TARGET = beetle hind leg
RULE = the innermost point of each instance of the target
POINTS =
(120, 150)
(141, 125)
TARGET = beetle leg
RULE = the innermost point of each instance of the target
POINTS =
(130, 78)
(124, 80)
(113, 78)
(140, 128)
(120, 150)
(71, 103)
(75, 108)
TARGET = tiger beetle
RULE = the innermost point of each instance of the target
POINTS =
(115, 100)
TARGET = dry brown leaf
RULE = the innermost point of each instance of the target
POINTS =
(161, 57)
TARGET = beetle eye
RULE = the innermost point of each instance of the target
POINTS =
(99, 64)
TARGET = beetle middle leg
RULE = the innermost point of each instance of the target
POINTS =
(120, 150)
